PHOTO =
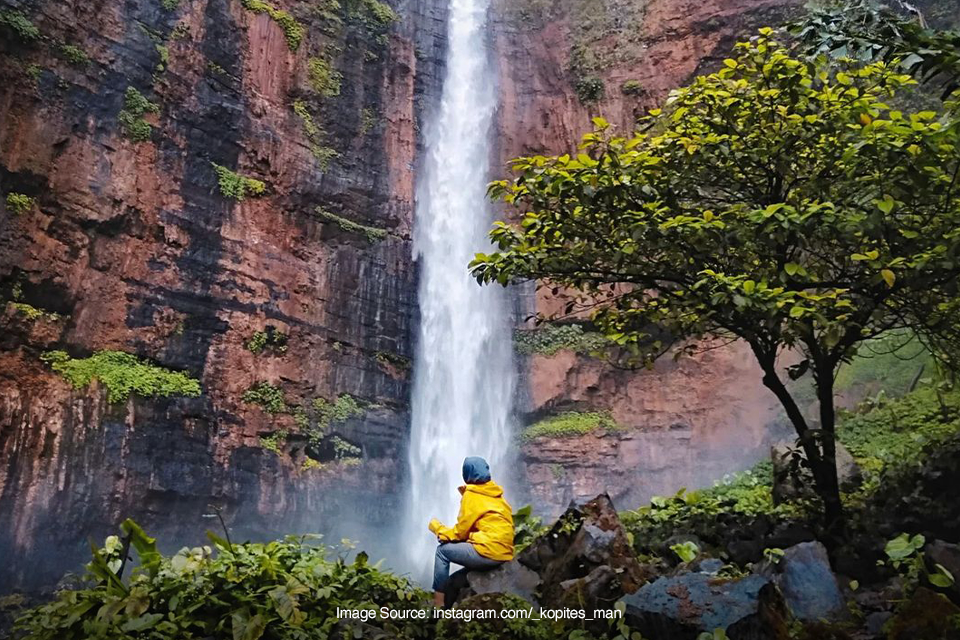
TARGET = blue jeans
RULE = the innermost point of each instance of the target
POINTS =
(461, 553)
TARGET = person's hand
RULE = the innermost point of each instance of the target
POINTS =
(434, 525)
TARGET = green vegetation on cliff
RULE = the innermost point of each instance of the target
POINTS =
(18, 203)
(19, 24)
(131, 120)
(372, 234)
(569, 425)
(122, 374)
(550, 339)
(236, 186)
(293, 31)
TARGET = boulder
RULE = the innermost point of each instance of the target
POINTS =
(684, 606)
(511, 577)
(927, 616)
(584, 558)
(809, 587)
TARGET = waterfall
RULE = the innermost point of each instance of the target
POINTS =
(463, 370)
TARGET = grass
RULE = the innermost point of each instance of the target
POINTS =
(569, 425)
(550, 339)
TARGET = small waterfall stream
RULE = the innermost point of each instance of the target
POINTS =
(464, 375)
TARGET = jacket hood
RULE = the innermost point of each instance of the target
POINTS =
(491, 489)
(475, 470)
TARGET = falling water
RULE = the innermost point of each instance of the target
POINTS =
(463, 374)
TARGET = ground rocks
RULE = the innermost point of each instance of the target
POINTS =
(808, 584)
(681, 607)
(583, 560)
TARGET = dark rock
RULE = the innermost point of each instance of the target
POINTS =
(708, 565)
(584, 538)
(681, 607)
(746, 551)
(808, 585)
(511, 577)
(788, 534)
(946, 555)
(875, 621)
(927, 616)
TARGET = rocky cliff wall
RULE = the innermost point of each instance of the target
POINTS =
(682, 424)
(132, 243)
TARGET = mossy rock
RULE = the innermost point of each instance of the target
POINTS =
(927, 616)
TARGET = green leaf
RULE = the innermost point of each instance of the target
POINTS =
(889, 277)
(886, 205)
(791, 268)
(246, 627)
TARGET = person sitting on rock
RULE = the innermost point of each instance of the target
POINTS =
(482, 539)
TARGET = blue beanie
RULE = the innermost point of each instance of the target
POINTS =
(475, 470)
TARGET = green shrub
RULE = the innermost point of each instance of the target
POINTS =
(344, 450)
(274, 441)
(122, 374)
(74, 55)
(235, 186)
(19, 24)
(324, 79)
(33, 313)
(268, 397)
(569, 425)
(18, 203)
(631, 88)
(271, 338)
(314, 135)
(292, 30)
(328, 413)
(283, 590)
(170, 5)
(372, 234)
(549, 339)
(135, 105)
(589, 89)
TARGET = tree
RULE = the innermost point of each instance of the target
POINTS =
(779, 201)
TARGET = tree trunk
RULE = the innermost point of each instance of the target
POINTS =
(828, 485)
(821, 456)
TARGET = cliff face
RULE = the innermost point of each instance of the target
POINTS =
(682, 424)
(132, 243)
(131, 128)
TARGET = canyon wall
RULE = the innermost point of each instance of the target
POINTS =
(131, 243)
(130, 128)
(683, 424)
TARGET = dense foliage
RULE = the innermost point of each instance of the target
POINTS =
(550, 339)
(892, 444)
(287, 589)
(780, 201)
(122, 374)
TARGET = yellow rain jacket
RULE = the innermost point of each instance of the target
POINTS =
(485, 521)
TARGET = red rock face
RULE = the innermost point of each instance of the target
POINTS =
(137, 249)
(134, 245)
(684, 424)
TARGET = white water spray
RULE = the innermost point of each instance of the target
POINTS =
(463, 372)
